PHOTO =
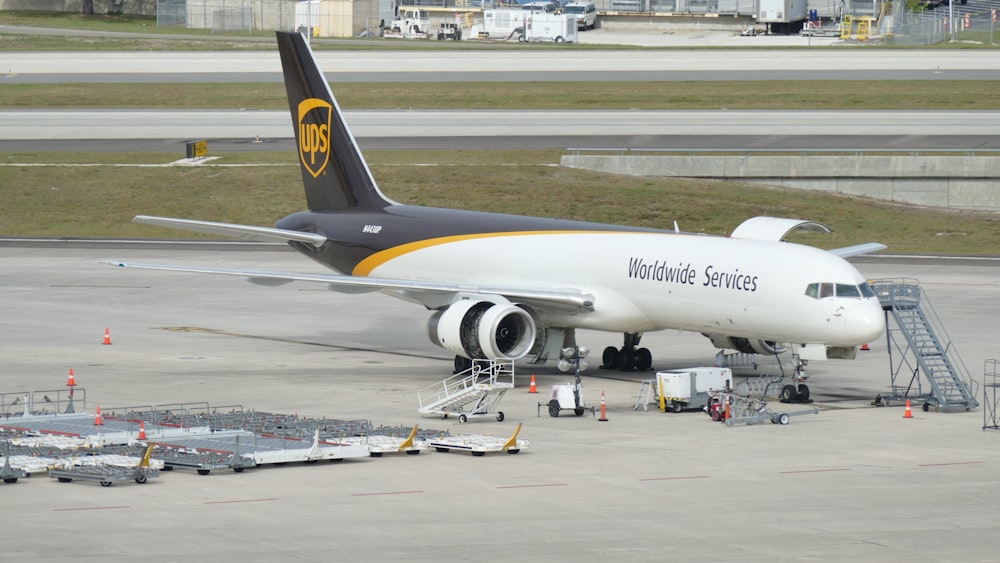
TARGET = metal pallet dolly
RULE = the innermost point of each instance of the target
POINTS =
(747, 410)
(109, 474)
(478, 445)
(10, 474)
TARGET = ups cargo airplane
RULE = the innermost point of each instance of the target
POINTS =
(511, 287)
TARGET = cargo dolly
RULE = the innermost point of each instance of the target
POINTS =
(107, 475)
(479, 445)
(10, 474)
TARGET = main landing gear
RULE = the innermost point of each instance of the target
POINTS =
(629, 357)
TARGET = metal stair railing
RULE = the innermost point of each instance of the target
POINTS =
(952, 387)
(465, 387)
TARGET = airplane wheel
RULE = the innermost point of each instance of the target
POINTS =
(788, 394)
(803, 393)
(553, 408)
(626, 360)
(610, 358)
(643, 359)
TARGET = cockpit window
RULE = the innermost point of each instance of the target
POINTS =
(825, 290)
(813, 290)
(850, 291)
(866, 290)
(846, 291)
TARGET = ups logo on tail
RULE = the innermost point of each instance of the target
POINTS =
(314, 134)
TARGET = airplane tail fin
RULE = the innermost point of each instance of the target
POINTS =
(333, 170)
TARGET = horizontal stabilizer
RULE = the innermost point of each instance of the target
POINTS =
(242, 232)
(565, 299)
(858, 249)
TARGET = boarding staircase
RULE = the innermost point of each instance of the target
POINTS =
(920, 337)
(472, 393)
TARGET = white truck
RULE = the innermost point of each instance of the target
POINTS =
(690, 388)
(782, 16)
(526, 25)
(411, 23)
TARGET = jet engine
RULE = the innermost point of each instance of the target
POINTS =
(495, 330)
(746, 345)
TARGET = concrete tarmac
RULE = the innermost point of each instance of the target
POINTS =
(854, 482)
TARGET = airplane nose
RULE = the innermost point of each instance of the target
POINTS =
(865, 323)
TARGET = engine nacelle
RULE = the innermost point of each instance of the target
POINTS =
(746, 345)
(483, 330)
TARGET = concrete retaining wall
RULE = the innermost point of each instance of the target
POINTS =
(957, 182)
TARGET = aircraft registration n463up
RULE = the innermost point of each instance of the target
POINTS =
(494, 292)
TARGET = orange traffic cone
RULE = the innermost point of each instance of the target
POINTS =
(142, 429)
(909, 412)
(107, 337)
(532, 388)
(604, 411)
(98, 421)
(72, 380)
(865, 346)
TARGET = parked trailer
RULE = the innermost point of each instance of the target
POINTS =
(782, 16)
(526, 25)
(690, 388)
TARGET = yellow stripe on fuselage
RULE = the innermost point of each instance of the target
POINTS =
(365, 267)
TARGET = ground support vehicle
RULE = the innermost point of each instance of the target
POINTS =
(690, 388)
(106, 475)
(735, 409)
(479, 445)
(411, 23)
(568, 396)
(449, 30)
(11, 474)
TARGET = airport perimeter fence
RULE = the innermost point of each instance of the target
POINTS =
(911, 29)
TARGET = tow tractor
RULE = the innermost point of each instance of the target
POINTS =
(411, 23)
(569, 396)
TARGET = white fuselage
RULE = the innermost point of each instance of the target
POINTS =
(652, 281)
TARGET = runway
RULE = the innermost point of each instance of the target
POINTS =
(249, 129)
(854, 482)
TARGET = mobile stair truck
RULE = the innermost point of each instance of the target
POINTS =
(690, 388)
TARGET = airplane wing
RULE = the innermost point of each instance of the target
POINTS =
(431, 294)
(243, 232)
(858, 249)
